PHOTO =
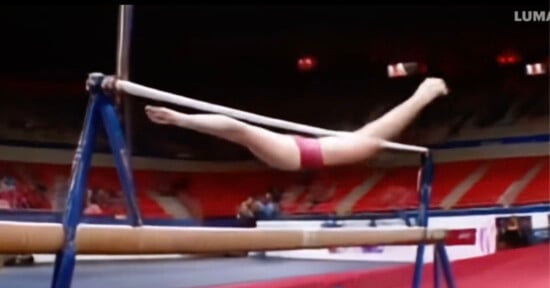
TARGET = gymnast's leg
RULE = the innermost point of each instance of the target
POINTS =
(277, 150)
(396, 120)
(365, 142)
(287, 153)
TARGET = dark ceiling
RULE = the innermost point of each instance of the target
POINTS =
(245, 56)
(183, 42)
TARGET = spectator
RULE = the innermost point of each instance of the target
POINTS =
(245, 209)
(246, 213)
(93, 209)
(7, 184)
(91, 206)
(4, 204)
(269, 208)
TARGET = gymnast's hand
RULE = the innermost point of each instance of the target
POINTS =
(161, 115)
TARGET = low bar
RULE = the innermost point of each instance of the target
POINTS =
(158, 95)
(27, 237)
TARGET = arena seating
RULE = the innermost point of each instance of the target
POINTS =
(345, 181)
(448, 176)
(397, 190)
(500, 175)
(323, 194)
(50, 175)
(219, 194)
(537, 190)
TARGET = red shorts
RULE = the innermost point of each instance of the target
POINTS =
(311, 156)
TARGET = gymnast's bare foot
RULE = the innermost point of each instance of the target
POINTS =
(432, 88)
(162, 115)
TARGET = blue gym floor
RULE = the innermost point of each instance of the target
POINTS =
(179, 273)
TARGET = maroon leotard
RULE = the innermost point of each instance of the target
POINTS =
(311, 156)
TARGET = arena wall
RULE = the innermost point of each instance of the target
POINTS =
(60, 156)
(485, 238)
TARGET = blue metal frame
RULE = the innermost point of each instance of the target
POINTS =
(425, 187)
(437, 269)
(121, 154)
(445, 265)
(441, 261)
(100, 107)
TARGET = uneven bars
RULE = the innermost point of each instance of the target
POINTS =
(125, 15)
(29, 237)
(124, 35)
(158, 95)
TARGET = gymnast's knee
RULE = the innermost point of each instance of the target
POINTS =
(234, 129)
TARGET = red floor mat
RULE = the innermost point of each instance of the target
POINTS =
(523, 268)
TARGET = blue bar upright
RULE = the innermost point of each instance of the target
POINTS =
(65, 259)
(119, 149)
(100, 105)
(426, 178)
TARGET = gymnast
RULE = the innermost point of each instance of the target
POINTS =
(293, 152)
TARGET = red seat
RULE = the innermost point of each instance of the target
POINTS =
(537, 191)
(396, 190)
(500, 175)
(447, 176)
(345, 183)
(220, 194)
